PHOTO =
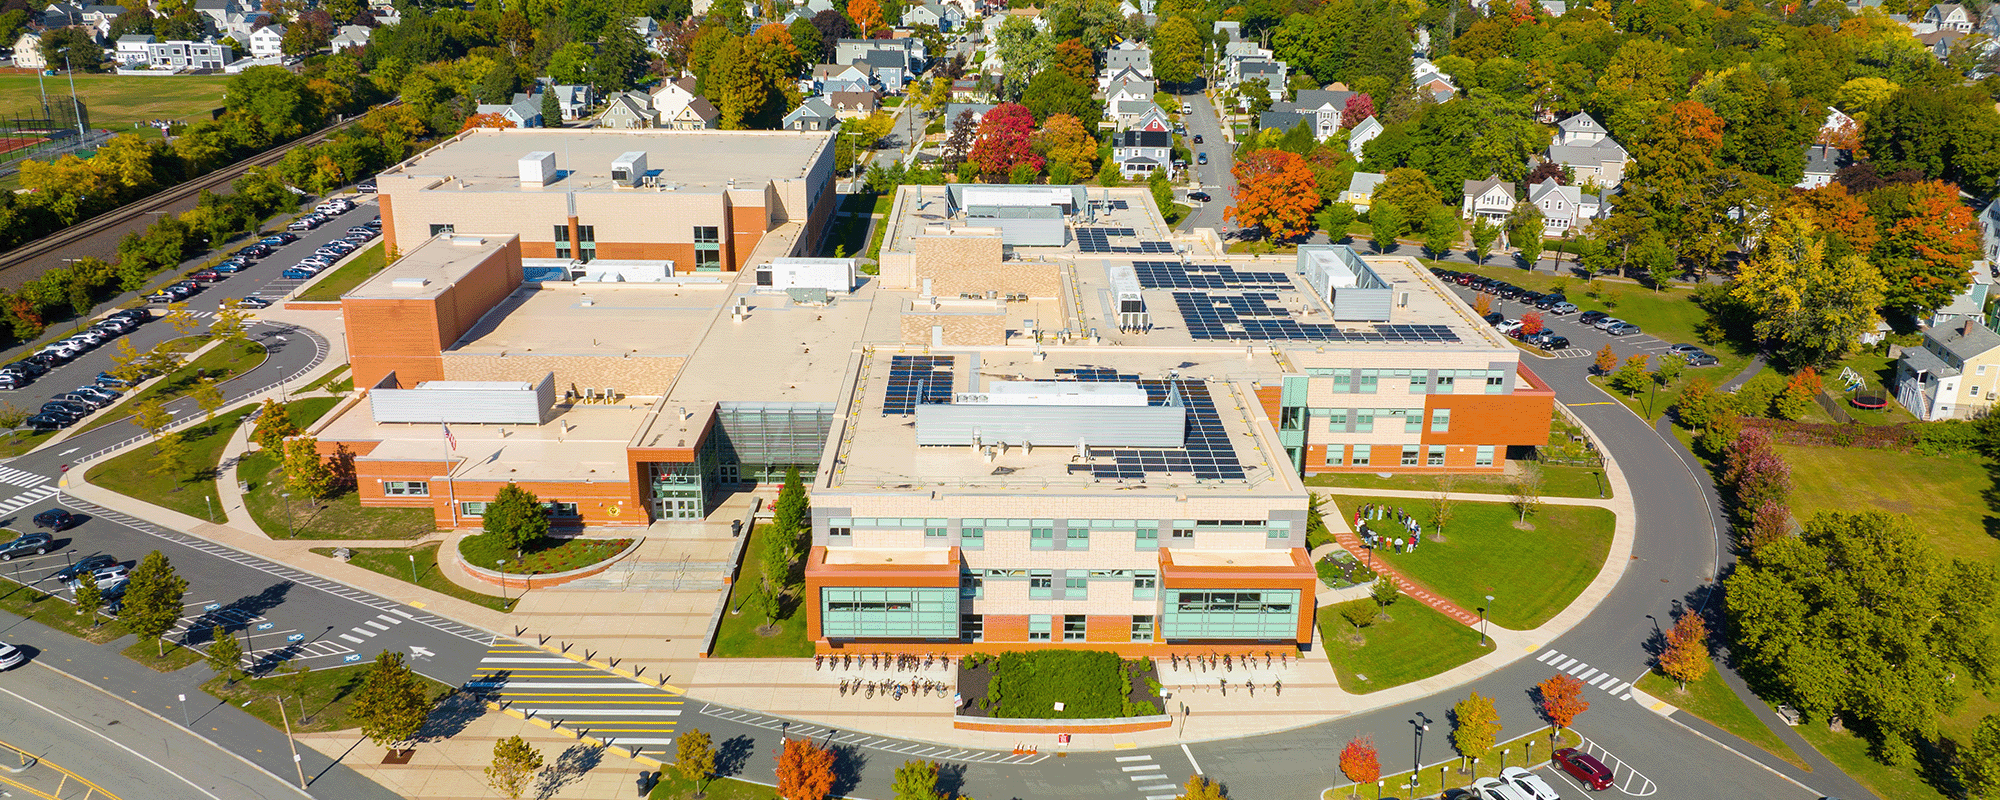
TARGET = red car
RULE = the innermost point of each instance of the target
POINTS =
(207, 276)
(1584, 767)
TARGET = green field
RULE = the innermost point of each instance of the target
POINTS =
(116, 102)
(1532, 574)
(1557, 481)
(737, 636)
(131, 473)
(340, 516)
(1944, 497)
(396, 562)
(1711, 700)
(364, 266)
(1415, 643)
(317, 701)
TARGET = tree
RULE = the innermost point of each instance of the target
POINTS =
(153, 595)
(170, 455)
(1524, 231)
(1797, 400)
(225, 654)
(1275, 191)
(391, 706)
(1532, 322)
(805, 770)
(1668, 369)
(72, 48)
(1358, 109)
(1386, 223)
(1442, 504)
(1631, 376)
(916, 780)
(1809, 310)
(1063, 141)
(1979, 760)
(1685, 658)
(959, 141)
(1605, 362)
(1410, 191)
(867, 16)
(694, 757)
(1561, 701)
(551, 109)
(1199, 788)
(1005, 141)
(515, 764)
(1525, 490)
(89, 599)
(516, 518)
(1359, 761)
(1441, 231)
(833, 26)
(1928, 240)
(1474, 724)
(306, 472)
(1859, 618)
(1177, 51)
(208, 395)
(274, 424)
(1334, 219)
(1074, 58)
(1484, 233)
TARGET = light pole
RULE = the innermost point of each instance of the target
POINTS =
(1482, 619)
(1421, 724)
(413, 567)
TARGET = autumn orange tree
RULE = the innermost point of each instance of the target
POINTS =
(867, 16)
(487, 120)
(1276, 191)
(1358, 761)
(1063, 141)
(1929, 238)
(1562, 701)
(805, 771)
(1606, 361)
(1685, 658)
(1531, 322)
(1483, 304)
(1837, 212)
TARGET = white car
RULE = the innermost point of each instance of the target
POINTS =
(1508, 326)
(1529, 784)
(1496, 789)
(11, 656)
(1606, 323)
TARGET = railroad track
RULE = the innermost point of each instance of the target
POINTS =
(40, 250)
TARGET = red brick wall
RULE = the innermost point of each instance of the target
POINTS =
(1107, 628)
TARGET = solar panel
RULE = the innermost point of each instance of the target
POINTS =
(1175, 275)
(1257, 316)
(915, 380)
(1098, 240)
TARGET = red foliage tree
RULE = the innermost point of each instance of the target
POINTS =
(1562, 700)
(1547, 170)
(1276, 191)
(1930, 237)
(805, 771)
(1075, 58)
(1531, 322)
(1754, 471)
(1359, 107)
(1006, 140)
(1359, 762)
(488, 120)
(1770, 522)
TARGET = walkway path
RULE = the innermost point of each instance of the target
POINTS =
(1750, 370)
(1351, 541)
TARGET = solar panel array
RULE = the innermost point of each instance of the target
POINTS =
(915, 380)
(1206, 453)
(1098, 240)
(1252, 316)
(1175, 275)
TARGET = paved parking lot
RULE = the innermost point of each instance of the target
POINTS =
(1584, 340)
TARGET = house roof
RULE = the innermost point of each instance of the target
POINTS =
(1280, 120)
(135, 38)
(1594, 153)
(1139, 138)
(1580, 122)
(885, 58)
(1249, 67)
(1476, 188)
(1824, 159)
(1370, 124)
(1322, 98)
(952, 110)
(1918, 359)
(1365, 182)
(700, 107)
(1549, 186)
(1972, 301)
(1965, 339)
(812, 107)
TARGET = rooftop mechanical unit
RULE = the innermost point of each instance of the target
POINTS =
(629, 169)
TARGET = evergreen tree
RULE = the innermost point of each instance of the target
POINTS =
(515, 517)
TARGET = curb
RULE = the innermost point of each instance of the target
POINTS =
(629, 754)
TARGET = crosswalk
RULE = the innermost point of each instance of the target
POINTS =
(1148, 778)
(580, 698)
(27, 498)
(16, 477)
(1591, 676)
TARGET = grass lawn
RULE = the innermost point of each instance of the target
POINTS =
(56, 613)
(395, 563)
(1535, 743)
(1711, 700)
(338, 517)
(131, 473)
(1557, 481)
(16, 443)
(737, 635)
(1878, 372)
(553, 555)
(304, 412)
(328, 380)
(673, 787)
(318, 701)
(1943, 497)
(1532, 574)
(115, 102)
(1850, 753)
(1415, 643)
(220, 364)
(350, 275)
(148, 656)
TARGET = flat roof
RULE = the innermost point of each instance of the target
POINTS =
(579, 443)
(781, 351)
(431, 267)
(704, 161)
(597, 319)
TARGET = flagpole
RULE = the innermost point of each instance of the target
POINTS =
(450, 487)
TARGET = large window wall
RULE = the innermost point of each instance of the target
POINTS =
(890, 613)
(1263, 614)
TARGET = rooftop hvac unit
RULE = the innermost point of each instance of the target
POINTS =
(629, 169)
(538, 168)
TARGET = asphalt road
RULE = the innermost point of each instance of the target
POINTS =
(1214, 176)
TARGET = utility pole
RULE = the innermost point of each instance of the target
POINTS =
(296, 763)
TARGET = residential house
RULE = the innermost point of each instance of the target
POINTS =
(672, 96)
(858, 72)
(217, 12)
(182, 54)
(853, 104)
(1271, 72)
(1325, 109)
(1582, 145)
(524, 110)
(1139, 153)
(853, 51)
(1839, 125)
(1954, 375)
(815, 114)
(99, 18)
(953, 110)
(1822, 163)
(1109, 77)
(1555, 8)
(697, 115)
(1969, 304)
(945, 17)
(1948, 17)
(1432, 81)
(627, 111)
(1491, 199)
(574, 99)
(1142, 115)
(62, 15)
(646, 28)
(1989, 231)
(1233, 30)
(892, 69)
(28, 51)
(1142, 8)
(1360, 188)
(131, 50)
(1282, 121)
(1362, 134)
(970, 90)
(267, 41)
(1127, 91)
(351, 37)
(829, 87)
(1564, 208)
(1127, 56)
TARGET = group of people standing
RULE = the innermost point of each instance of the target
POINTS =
(1413, 531)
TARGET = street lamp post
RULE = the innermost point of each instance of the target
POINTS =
(1482, 619)
(1421, 724)
(413, 567)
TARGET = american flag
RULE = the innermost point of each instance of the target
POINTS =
(449, 440)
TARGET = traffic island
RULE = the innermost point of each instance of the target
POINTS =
(1435, 780)
(553, 562)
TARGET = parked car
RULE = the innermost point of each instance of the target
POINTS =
(1494, 318)
(113, 575)
(1199, 196)
(207, 276)
(1591, 317)
(1201, 158)
(92, 402)
(300, 272)
(36, 543)
(362, 229)
(302, 224)
(1560, 309)
(47, 422)
(1683, 349)
(1529, 784)
(65, 407)
(111, 381)
(9, 380)
(1606, 323)
(366, 186)
(90, 563)
(138, 315)
(1554, 343)
(1508, 326)
(1495, 789)
(11, 656)
(96, 391)
(253, 301)
(279, 239)
(24, 367)
(1622, 329)
(1584, 767)
(1548, 301)
(1702, 360)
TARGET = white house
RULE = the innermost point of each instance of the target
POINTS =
(188, 55)
(1126, 92)
(28, 51)
(1583, 146)
(1948, 17)
(1564, 208)
(1139, 153)
(131, 50)
(1822, 163)
(1491, 199)
(1362, 134)
(351, 36)
(525, 111)
(267, 41)
(1272, 72)
(574, 99)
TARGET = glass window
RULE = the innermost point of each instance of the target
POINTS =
(1142, 627)
(971, 586)
(1411, 453)
(709, 260)
(1335, 454)
(1145, 584)
(1077, 538)
(586, 233)
(935, 533)
(1186, 534)
(1367, 385)
(1074, 627)
(444, 228)
(707, 234)
(1361, 452)
(1436, 456)
(1291, 418)
(406, 488)
(562, 233)
(1495, 384)
(1042, 538)
(1440, 420)
(560, 510)
(1336, 419)
(1445, 383)
(1413, 420)
(1041, 584)
(1147, 538)
(1485, 456)
(1364, 420)
(1038, 627)
(972, 538)
(1278, 533)
(472, 508)
(1076, 588)
(840, 531)
(972, 627)
(1343, 382)
(1419, 383)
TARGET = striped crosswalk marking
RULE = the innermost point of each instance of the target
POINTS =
(590, 701)
(1591, 676)
(25, 499)
(15, 477)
